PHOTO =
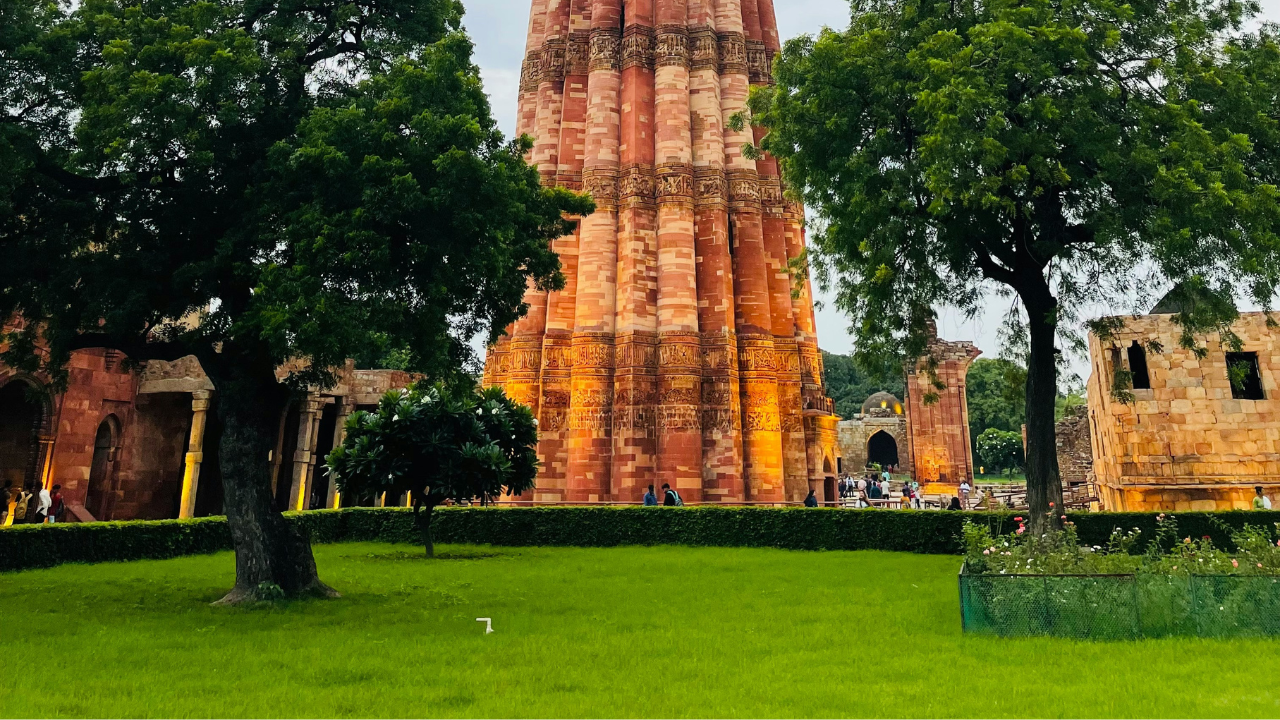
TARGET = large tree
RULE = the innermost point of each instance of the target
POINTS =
(1056, 151)
(259, 182)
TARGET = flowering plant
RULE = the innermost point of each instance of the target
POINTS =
(1059, 552)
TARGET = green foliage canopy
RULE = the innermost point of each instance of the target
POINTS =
(1063, 151)
(1000, 449)
(259, 182)
(849, 386)
(438, 442)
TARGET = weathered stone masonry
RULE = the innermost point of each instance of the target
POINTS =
(676, 352)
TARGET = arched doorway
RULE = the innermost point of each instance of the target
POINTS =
(97, 498)
(828, 483)
(882, 449)
(21, 418)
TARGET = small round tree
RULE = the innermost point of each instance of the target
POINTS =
(438, 442)
(1000, 449)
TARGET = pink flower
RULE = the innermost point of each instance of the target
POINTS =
(1064, 517)
(1234, 563)
(1051, 504)
(987, 551)
(1021, 529)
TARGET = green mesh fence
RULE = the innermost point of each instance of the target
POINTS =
(1120, 607)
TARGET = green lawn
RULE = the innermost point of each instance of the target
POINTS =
(661, 632)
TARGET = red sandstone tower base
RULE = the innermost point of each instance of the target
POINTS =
(676, 353)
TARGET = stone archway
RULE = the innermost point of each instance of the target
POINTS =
(97, 499)
(882, 449)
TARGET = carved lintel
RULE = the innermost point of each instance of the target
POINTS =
(704, 48)
(602, 184)
(672, 46)
(604, 52)
(759, 63)
(744, 188)
(577, 60)
(675, 183)
(636, 184)
(530, 70)
(733, 53)
(708, 186)
(771, 201)
(637, 47)
(553, 58)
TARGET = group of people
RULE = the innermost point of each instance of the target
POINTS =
(874, 486)
(670, 498)
(31, 505)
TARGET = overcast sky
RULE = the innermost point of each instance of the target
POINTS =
(498, 29)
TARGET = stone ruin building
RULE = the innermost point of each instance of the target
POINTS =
(877, 434)
(129, 442)
(676, 353)
(938, 446)
(1189, 439)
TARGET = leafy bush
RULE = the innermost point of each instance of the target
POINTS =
(1168, 552)
(1000, 450)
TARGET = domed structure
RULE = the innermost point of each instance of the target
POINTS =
(882, 401)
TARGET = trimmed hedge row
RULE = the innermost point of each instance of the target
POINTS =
(927, 531)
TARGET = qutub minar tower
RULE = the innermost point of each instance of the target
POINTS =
(676, 352)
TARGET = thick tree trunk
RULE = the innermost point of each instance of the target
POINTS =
(269, 551)
(1044, 482)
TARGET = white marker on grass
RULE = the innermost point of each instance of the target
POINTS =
(488, 624)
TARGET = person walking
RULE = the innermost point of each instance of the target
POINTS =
(670, 498)
(1260, 501)
(44, 501)
(811, 500)
(57, 508)
(23, 505)
(650, 500)
(964, 494)
(6, 494)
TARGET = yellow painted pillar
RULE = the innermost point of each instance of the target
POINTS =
(195, 453)
(339, 434)
(307, 417)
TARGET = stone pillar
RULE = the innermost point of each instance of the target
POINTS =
(195, 453)
(557, 358)
(679, 427)
(334, 500)
(591, 402)
(308, 417)
(719, 404)
(938, 427)
(761, 424)
(635, 370)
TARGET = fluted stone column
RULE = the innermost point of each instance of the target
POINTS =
(591, 402)
(679, 427)
(308, 418)
(195, 453)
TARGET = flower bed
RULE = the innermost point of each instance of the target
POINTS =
(1019, 584)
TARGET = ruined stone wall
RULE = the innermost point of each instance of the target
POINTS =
(938, 432)
(1075, 453)
(1185, 443)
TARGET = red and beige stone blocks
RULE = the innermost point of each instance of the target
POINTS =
(676, 352)
(938, 415)
(1188, 441)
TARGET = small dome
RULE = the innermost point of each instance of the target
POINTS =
(881, 402)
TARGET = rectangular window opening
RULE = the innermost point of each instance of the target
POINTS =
(1138, 367)
(1246, 380)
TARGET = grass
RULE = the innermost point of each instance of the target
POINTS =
(650, 632)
